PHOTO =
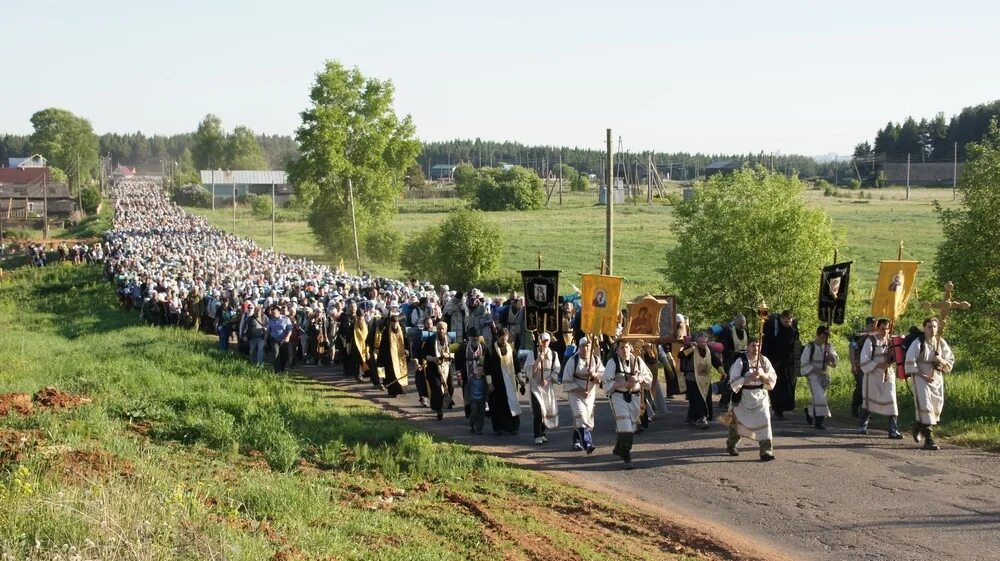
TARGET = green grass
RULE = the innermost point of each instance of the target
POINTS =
(187, 452)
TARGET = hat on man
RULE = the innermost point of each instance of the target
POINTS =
(545, 336)
(583, 341)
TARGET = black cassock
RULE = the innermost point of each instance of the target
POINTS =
(500, 415)
(779, 347)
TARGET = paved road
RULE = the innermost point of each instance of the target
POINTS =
(830, 496)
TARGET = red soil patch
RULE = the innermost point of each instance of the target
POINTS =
(20, 402)
(14, 444)
(86, 464)
(51, 397)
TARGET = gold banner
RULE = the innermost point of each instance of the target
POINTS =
(599, 298)
(896, 280)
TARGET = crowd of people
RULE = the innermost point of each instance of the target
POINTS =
(177, 270)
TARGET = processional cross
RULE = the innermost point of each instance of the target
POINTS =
(946, 304)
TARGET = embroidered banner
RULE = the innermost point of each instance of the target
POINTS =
(600, 297)
(541, 300)
(892, 289)
(834, 282)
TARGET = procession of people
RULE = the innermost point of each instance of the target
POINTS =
(405, 337)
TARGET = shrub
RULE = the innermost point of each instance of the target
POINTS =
(418, 254)
(854, 185)
(193, 195)
(91, 199)
(515, 188)
(384, 244)
(464, 250)
(579, 183)
(260, 205)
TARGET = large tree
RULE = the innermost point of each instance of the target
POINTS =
(969, 254)
(745, 237)
(351, 132)
(67, 141)
(209, 148)
(243, 151)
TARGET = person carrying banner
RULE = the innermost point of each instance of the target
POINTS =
(624, 378)
(581, 376)
(750, 377)
(928, 359)
(734, 339)
(501, 379)
(878, 389)
(700, 366)
(542, 371)
(816, 360)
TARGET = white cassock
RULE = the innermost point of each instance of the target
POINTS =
(542, 385)
(626, 412)
(878, 389)
(928, 396)
(581, 392)
(753, 414)
(814, 368)
(509, 373)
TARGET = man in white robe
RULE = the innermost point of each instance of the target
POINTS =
(817, 358)
(581, 376)
(878, 389)
(625, 376)
(750, 377)
(928, 359)
(542, 373)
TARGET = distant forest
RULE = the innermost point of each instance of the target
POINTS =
(929, 140)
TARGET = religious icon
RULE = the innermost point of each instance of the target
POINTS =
(541, 293)
(642, 323)
(897, 281)
(600, 299)
(833, 287)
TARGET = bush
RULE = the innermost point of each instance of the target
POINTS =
(854, 185)
(384, 244)
(579, 183)
(91, 199)
(260, 205)
(515, 188)
(674, 199)
(464, 250)
(193, 195)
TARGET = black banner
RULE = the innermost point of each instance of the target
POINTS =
(541, 300)
(834, 283)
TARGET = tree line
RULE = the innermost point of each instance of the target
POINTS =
(931, 139)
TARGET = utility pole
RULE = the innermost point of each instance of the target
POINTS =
(234, 204)
(354, 222)
(907, 177)
(45, 206)
(560, 178)
(649, 179)
(79, 184)
(213, 190)
(954, 175)
(610, 203)
(272, 216)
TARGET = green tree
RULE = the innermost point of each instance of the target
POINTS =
(466, 180)
(91, 199)
(260, 205)
(744, 237)
(969, 253)
(579, 183)
(384, 244)
(463, 250)
(209, 144)
(515, 188)
(243, 151)
(351, 132)
(415, 178)
(67, 141)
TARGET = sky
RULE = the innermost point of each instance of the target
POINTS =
(801, 77)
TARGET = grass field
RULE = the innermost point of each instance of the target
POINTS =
(571, 237)
(157, 446)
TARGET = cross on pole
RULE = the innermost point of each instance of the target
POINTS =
(946, 305)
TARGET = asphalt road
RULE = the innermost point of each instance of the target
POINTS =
(830, 496)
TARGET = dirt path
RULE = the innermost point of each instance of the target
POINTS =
(831, 496)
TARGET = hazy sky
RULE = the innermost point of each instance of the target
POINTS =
(792, 76)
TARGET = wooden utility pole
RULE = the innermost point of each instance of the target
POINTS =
(79, 184)
(954, 175)
(610, 203)
(907, 177)
(560, 178)
(649, 179)
(354, 224)
(213, 190)
(272, 216)
(45, 207)
(234, 204)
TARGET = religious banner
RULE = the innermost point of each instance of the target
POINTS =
(644, 318)
(599, 298)
(892, 289)
(833, 285)
(541, 300)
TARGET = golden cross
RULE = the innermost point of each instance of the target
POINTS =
(539, 260)
(946, 304)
